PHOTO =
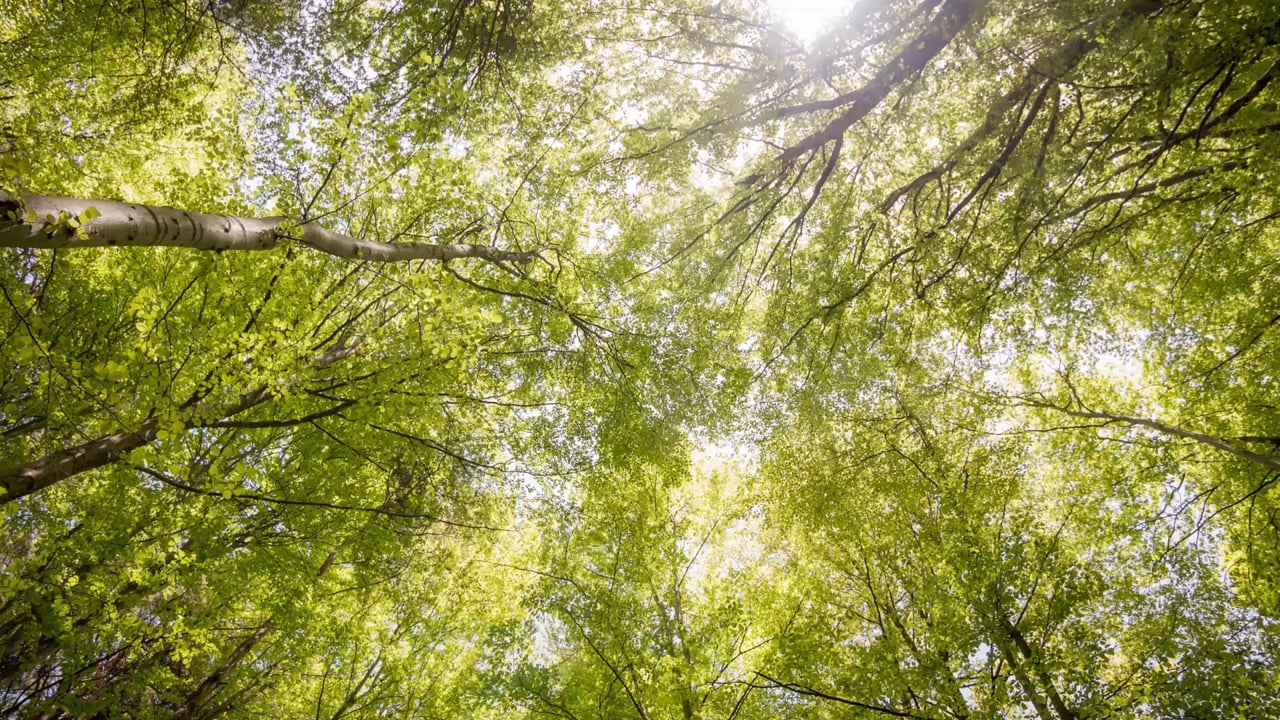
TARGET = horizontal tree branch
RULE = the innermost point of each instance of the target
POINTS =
(38, 474)
(20, 481)
(257, 497)
(805, 690)
(289, 422)
(43, 223)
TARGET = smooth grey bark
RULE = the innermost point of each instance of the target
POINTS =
(1267, 461)
(121, 224)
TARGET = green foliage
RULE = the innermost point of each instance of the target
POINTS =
(926, 369)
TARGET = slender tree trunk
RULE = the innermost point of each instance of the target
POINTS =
(204, 692)
(1052, 66)
(1267, 461)
(121, 224)
(1028, 687)
(206, 689)
(953, 17)
(1011, 632)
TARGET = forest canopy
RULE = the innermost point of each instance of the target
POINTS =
(543, 359)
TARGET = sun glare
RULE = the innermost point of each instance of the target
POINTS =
(809, 18)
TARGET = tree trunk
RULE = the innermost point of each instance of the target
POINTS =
(1266, 461)
(1011, 632)
(953, 17)
(39, 474)
(211, 684)
(120, 224)
(52, 468)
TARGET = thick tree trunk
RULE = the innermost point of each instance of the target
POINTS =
(120, 224)
(53, 468)
(39, 474)
(36, 475)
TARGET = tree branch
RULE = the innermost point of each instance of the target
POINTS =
(120, 224)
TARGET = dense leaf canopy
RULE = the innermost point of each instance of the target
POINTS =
(511, 358)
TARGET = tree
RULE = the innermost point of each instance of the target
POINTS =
(600, 360)
(101, 223)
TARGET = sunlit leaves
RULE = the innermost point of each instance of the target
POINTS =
(835, 390)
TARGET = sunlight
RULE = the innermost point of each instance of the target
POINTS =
(809, 18)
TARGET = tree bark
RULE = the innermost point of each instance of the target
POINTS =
(1028, 653)
(121, 224)
(39, 474)
(36, 475)
(205, 690)
(953, 17)
(202, 694)
(1266, 461)
(52, 468)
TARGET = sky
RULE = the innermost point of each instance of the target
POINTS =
(808, 18)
